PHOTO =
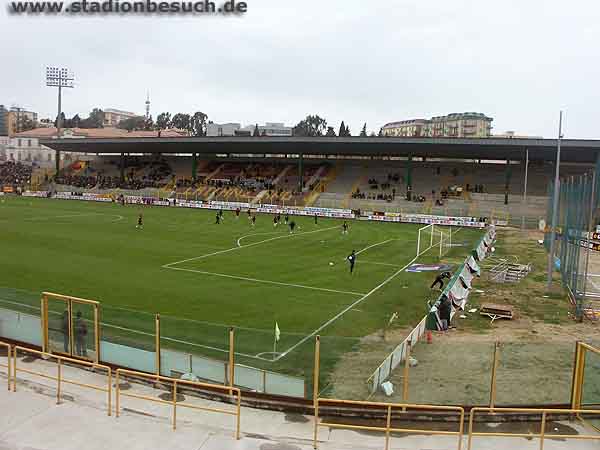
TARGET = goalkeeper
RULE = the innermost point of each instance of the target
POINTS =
(440, 280)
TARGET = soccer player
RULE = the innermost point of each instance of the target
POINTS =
(275, 221)
(253, 221)
(440, 280)
(249, 214)
(217, 219)
(287, 218)
(345, 228)
(237, 213)
(140, 223)
(352, 260)
(316, 218)
(292, 226)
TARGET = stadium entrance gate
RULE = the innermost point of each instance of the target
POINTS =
(70, 326)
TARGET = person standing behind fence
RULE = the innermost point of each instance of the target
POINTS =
(80, 335)
(65, 330)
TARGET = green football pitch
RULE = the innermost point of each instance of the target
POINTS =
(204, 278)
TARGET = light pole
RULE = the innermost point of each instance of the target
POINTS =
(61, 78)
(555, 204)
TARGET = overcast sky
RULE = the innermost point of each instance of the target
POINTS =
(371, 61)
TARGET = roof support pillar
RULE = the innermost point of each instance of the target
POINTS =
(409, 179)
(122, 167)
(194, 166)
(301, 172)
(507, 182)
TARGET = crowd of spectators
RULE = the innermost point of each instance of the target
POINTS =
(15, 174)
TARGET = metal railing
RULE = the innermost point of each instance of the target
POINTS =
(228, 390)
(542, 435)
(388, 428)
(7, 365)
(59, 376)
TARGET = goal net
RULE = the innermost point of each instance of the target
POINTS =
(425, 238)
(445, 240)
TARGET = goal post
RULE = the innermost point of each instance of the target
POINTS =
(445, 242)
(425, 238)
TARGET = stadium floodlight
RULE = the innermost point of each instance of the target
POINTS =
(59, 77)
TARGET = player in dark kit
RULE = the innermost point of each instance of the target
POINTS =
(253, 220)
(316, 218)
(249, 214)
(292, 226)
(345, 228)
(140, 223)
(217, 219)
(237, 213)
(287, 219)
(352, 260)
(440, 280)
(275, 221)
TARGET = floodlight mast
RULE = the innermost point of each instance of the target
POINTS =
(59, 77)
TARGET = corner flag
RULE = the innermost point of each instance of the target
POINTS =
(277, 332)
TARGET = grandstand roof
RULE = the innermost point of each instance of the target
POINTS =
(573, 150)
(108, 132)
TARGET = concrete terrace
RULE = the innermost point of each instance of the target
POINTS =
(30, 419)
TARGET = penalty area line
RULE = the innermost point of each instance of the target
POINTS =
(256, 280)
(349, 307)
(220, 252)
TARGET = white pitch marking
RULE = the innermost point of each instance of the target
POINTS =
(168, 266)
(255, 234)
(67, 216)
(349, 307)
(256, 280)
(374, 245)
(378, 263)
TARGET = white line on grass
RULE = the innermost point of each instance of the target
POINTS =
(255, 234)
(362, 261)
(374, 245)
(349, 307)
(67, 216)
(256, 280)
(170, 265)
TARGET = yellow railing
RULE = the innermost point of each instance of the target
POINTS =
(59, 376)
(231, 391)
(388, 428)
(542, 435)
(7, 365)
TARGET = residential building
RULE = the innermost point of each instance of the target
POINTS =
(17, 117)
(112, 116)
(222, 129)
(270, 129)
(26, 147)
(3, 121)
(460, 125)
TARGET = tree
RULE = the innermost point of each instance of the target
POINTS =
(363, 132)
(380, 134)
(181, 122)
(198, 124)
(163, 121)
(311, 126)
(76, 121)
(148, 124)
(94, 120)
(342, 131)
(63, 119)
(256, 131)
(132, 123)
(330, 132)
(27, 124)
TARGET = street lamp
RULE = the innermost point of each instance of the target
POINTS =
(61, 78)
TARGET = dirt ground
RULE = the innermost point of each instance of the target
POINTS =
(536, 351)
